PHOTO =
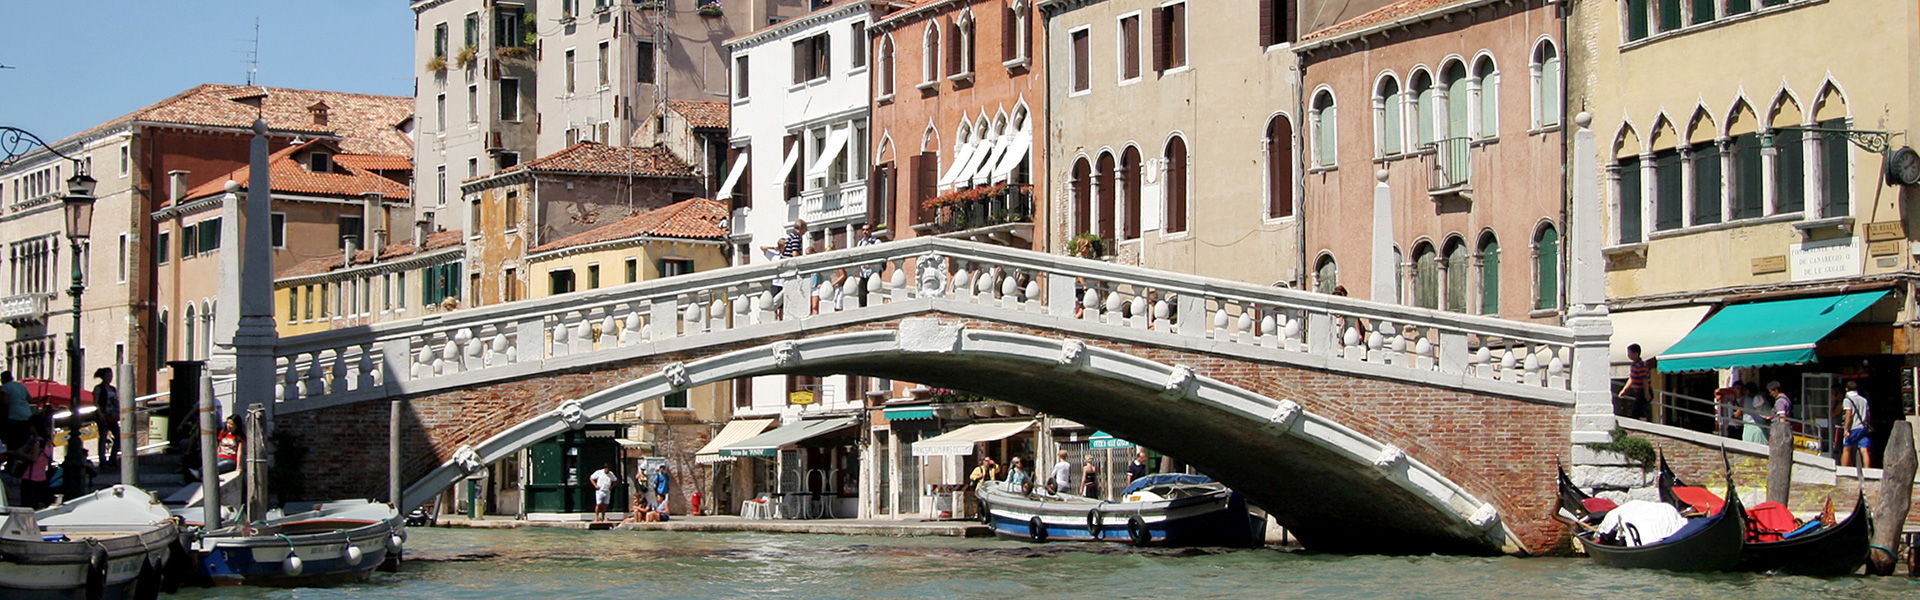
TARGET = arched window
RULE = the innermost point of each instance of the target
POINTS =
(1703, 152)
(883, 76)
(206, 329)
(190, 341)
(1426, 276)
(1546, 85)
(1836, 160)
(1082, 197)
(1326, 139)
(1790, 156)
(1459, 100)
(1745, 182)
(1487, 104)
(930, 54)
(1459, 275)
(1176, 221)
(1546, 268)
(1489, 274)
(960, 52)
(1388, 114)
(1105, 207)
(1668, 209)
(1279, 145)
(1013, 40)
(1326, 275)
(1426, 108)
(1629, 198)
(1130, 182)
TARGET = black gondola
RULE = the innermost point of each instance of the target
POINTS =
(1712, 546)
(1830, 552)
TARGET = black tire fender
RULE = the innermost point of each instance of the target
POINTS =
(1094, 521)
(1137, 531)
(1036, 530)
(97, 565)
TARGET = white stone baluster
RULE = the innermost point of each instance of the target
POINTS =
(562, 338)
(367, 376)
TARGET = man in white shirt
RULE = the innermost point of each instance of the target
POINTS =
(1855, 416)
(602, 481)
(1062, 474)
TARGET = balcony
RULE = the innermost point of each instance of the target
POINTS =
(833, 204)
(24, 308)
(994, 214)
(1452, 167)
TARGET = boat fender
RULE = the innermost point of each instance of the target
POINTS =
(1036, 530)
(96, 570)
(1137, 531)
(394, 542)
(353, 554)
(292, 565)
(147, 587)
(986, 516)
(1093, 523)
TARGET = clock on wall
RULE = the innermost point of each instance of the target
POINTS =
(1903, 167)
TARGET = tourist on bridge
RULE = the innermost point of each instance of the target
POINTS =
(1855, 413)
(1782, 405)
(19, 409)
(1639, 384)
(602, 481)
(791, 246)
(106, 401)
(1062, 475)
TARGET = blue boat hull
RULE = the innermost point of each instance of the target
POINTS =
(1208, 521)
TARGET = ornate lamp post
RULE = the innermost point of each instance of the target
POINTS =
(79, 211)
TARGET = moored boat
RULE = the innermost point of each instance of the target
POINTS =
(1818, 550)
(118, 542)
(1159, 510)
(1710, 543)
(335, 542)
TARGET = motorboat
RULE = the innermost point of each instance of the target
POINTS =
(1156, 510)
(118, 542)
(334, 542)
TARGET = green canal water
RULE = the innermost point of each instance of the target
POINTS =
(544, 563)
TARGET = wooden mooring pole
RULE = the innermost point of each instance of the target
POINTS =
(1894, 499)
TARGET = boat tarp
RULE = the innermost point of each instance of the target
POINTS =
(959, 442)
(766, 444)
(1757, 334)
(1162, 479)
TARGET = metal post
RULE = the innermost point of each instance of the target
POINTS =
(129, 452)
(75, 466)
(209, 469)
(393, 456)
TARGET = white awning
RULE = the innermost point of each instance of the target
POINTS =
(836, 142)
(1654, 330)
(1022, 143)
(979, 162)
(734, 431)
(733, 177)
(984, 173)
(959, 160)
(959, 442)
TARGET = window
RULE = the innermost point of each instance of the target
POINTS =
(293, 305)
(1487, 102)
(473, 30)
(1082, 186)
(440, 111)
(1176, 221)
(1426, 277)
(350, 229)
(509, 284)
(191, 324)
(930, 54)
(437, 284)
(593, 277)
(440, 41)
(1279, 146)
(1667, 189)
(569, 70)
(320, 162)
(633, 270)
(1325, 129)
(1546, 253)
(857, 45)
(1082, 78)
(1389, 112)
(1639, 22)
(473, 217)
(672, 266)
(1630, 200)
(644, 67)
(162, 247)
(1129, 50)
(1489, 274)
(1014, 41)
(509, 99)
(512, 205)
(209, 231)
(1703, 11)
(1669, 15)
(1426, 108)
(1274, 26)
(811, 59)
(400, 290)
(883, 74)
(1836, 170)
(1745, 189)
(1459, 101)
(960, 56)
(440, 191)
(1326, 274)
(1706, 182)
(740, 79)
(603, 64)
(120, 266)
(1105, 198)
(189, 240)
(1170, 37)
(1130, 186)
(559, 282)
(1789, 171)
(473, 103)
(277, 223)
(1459, 276)
(674, 400)
(126, 160)
(1738, 7)
(1546, 85)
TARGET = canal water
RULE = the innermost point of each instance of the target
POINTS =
(542, 563)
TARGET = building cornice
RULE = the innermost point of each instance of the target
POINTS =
(783, 28)
(1305, 47)
(1055, 7)
(900, 19)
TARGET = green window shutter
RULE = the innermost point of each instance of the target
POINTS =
(1428, 105)
(452, 281)
(189, 240)
(400, 290)
(1637, 19)
(428, 288)
(1667, 188)
(1735, 7)
(1835, 173)
(1550, 91)
(1789, 172)
(1706, 184)
(1669, 15)
(1390, 122)
(1426, 280)
(1630, 201)
(1458, 276)
(1548, 266)
(1490, 277)
(674, 400)
(1702, 11)
(1489, 105)
(1458, 105)
(1745, 186)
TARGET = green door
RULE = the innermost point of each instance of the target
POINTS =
(547, 485)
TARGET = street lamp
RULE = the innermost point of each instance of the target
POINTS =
(79, 210)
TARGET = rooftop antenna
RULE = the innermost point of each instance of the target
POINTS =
(253, 57)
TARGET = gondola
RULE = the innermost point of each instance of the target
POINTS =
(1832, 551)
(1709, 543)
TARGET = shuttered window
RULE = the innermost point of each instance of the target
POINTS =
(1638, 19)
(1836, 174)
(1170, 37)
(1176, 218)
(1706, 184)
(1459, 102)
(1547, 267)
(1744, 186)
(1274, 28)
(1389, 116)
(1130, 182)
(1667, 187)
(1459, 277)
(1703, 11)
(1789, 172)
(1669, 15)
(1082, 77)
(1129, 50)
(1630, 201)
(1279, 144)
(1489, 275)
(1325, 129)
(1426, 278)
(1426, 105)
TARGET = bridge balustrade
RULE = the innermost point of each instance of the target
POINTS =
(474, 346)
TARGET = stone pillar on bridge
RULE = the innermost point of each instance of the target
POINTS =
(1593, 419)
(244, 334)
(1385, 270)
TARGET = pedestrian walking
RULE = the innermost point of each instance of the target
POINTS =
(1090, 479)
(15, 429)
(1856, 414)
(106, 402)
(1633, 398)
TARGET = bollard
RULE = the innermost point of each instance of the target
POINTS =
(1779, 462)
(1894, 500)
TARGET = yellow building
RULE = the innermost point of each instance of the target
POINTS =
(397, 282)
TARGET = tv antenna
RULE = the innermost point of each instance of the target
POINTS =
(253, 57)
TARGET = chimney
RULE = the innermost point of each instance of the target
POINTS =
(375, 218)
(176, 185)
(420, 229)
(349, 245)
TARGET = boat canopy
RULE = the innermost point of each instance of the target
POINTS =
(1162, 479)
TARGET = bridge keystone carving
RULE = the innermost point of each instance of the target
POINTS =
(1179, 383)
(923, 335)
(1285, 416)
(1390, 458)
(785, 352)
(1485, 516)
(468, 459)
(1071, 352)
(573, 413)
(676, 374)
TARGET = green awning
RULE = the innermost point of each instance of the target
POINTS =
(1102, 440)
(1764, 333)
(908, 413)
(770, 443)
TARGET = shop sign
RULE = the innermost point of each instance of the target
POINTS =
(1770, 264)
(1108, 443)
(1885, 230)
(1825, 259)
(1883, 248)
(801, 398)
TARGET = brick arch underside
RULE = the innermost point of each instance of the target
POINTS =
(1499, 450)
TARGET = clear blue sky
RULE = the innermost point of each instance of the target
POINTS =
(78, 63)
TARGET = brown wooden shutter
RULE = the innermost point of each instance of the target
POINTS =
(800, 58)
(926, 175)
(1266, 23)
(1159, 39)
(1176, 35)
(1082, 76)
(1006, 36)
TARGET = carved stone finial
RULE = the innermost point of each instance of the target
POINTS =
(676, 373)
(1381, 175)
(467, 459)
(1285, 416)
(572, 413)
(1583, 119)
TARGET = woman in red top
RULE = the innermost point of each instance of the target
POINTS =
(227, 453)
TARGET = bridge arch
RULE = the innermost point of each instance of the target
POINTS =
(1335, 487)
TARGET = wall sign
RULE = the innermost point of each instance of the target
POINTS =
(1825, 259)
(1770, 264)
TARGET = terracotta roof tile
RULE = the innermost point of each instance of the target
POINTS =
(703, 113)
(435, 241)
(1384, 14)
(376, 162)
(365, 123)
(290, 176)
(696, 218)
(592, 157)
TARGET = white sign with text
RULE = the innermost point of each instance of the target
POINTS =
(1825, 259)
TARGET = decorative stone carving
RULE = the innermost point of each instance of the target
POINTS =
(1179, 382)
(1485, 516)
(467, 459)
(927, 335)
(572, 413)
(1070, 352)
(1389, 458)
(1285, 416)
(931, 272)
(676, 373)
(785, 352)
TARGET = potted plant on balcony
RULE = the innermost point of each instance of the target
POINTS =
(437, 64)
(466, 57)
(710, 8)
(1086, 245)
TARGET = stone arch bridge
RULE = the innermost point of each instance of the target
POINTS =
(1364, 427)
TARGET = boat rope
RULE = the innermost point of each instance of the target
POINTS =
(1883, 549)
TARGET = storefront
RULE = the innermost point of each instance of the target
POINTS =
(959, 451)
(809, 469)
(558, 467)
(730, 484)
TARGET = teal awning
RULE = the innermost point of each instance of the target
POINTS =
(1102, 440)
(1764, 333)
(908, 413)
(769, 443)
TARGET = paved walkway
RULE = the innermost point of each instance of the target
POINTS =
(732, 524)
